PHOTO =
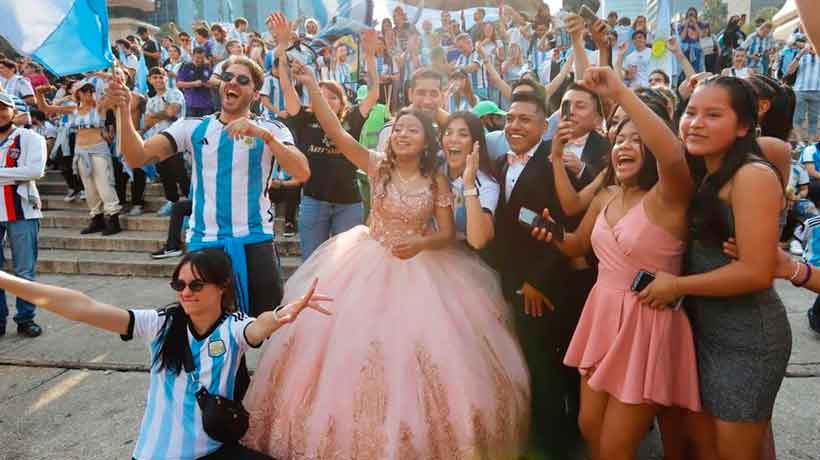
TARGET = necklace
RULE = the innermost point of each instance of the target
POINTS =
(406, 180)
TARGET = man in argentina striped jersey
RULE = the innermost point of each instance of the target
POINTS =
(22, 161)
(232, 156)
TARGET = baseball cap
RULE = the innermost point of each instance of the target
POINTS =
(5, 99)
(484, 108)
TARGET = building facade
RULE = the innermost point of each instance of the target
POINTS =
(751, 7)
(624, 8)
(184, 12)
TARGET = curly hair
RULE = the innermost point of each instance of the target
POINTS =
(429, 155)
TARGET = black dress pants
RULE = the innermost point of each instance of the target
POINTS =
(121, 179)
(175, 179)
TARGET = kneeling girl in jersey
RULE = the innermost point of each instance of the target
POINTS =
(203, 320)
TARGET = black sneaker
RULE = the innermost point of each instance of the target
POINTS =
(290, 230)
(2, 329)
(29, 329)
(165, 253)
(814, 321)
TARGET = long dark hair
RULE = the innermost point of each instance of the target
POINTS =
(211, 266)
(778, 120)
(648, 174)
(429, 154)
(476, 134)
(708, 222)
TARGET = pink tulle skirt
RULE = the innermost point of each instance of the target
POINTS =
(418, 361)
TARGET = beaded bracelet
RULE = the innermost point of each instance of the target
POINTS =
(796, 272)
(807, 277)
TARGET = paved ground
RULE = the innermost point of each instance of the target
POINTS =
(58, 412)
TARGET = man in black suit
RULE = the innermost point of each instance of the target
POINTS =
(586, 154)
(537, 279)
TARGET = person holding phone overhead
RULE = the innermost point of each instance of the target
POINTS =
(633, 360)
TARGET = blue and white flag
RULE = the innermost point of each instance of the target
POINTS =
(65, 36)
(339, 17)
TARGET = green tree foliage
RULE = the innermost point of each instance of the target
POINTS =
(716, 13)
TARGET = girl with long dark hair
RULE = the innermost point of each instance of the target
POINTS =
(740, 326)
(470, 172)
(200, 338)
(634, 361)
(416, 318)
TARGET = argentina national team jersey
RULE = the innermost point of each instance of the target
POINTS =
(171, 427)
(808, 73)
(477, 78)
(228, 177)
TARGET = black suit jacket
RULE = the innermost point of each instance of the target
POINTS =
(595, 156)
(517, 256)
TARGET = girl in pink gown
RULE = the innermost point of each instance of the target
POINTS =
(634, 359)
(418, 360)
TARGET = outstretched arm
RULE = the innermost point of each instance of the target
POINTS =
(268, 322)
(347, 145)
(67, 303)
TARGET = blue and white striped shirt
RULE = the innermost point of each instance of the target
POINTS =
(341, 74)
(272, 88)
(228, 178)
(756, 44)
(477, 78)
(808, 74)
(171, 426)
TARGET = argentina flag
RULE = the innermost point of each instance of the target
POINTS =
(45, 29)
(339, 17)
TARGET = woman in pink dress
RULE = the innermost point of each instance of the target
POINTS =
(633, 360)
(418, 360)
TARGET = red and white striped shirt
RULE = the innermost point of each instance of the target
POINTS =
(22, 162)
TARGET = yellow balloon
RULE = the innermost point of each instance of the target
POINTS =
(658, 47)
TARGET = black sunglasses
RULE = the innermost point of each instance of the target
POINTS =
(195, 285)
(243, 80)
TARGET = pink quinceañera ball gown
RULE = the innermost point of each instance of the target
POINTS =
(634, 353)
(418, 360)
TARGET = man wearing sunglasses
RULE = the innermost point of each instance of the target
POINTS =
(232, 155)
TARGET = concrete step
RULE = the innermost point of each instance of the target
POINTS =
(52, 187)
(78, 219)
(135, 241)
(152, 203)
(116, 263)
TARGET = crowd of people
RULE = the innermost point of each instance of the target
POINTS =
(538, 235)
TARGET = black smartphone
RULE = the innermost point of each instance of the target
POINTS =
(566, 110)
(587, 13)
(642, 280)
(531, 219)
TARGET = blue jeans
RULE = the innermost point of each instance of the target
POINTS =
(23, 240)
(319, 220)
(808, 103)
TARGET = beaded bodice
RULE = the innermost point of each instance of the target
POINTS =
(398, 213)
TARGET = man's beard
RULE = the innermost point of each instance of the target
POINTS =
(5, 128)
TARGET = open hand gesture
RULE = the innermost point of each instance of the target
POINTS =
(280, 28)
(672, 45)
(471, 169)
(370, 40)
(302, 74)
(603, 81)
(287, 313)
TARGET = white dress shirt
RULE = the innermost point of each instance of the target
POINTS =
(516, 167)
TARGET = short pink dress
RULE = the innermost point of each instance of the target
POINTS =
(636, 354)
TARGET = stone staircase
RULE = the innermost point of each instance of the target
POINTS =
(63, 250)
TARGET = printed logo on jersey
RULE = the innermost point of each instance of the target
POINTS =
(216, 348)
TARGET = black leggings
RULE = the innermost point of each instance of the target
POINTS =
(121, 179)
(65, 161)
(179, 211)
(172, 173)
(290, 197)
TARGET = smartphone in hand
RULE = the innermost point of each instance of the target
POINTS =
(530, 219)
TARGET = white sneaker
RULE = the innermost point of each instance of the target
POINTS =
(796, 248)
(135, 211)
(82, 194)
(71, 196)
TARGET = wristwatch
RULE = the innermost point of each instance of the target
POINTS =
(470, 192)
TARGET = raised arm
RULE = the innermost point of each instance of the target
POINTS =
(674, 180)
(347, 145)
(280, 28)
(268, 322)
(44, 106)
(67, 303)
(480, 226)
(492, 73)
(136, 152)
(369, 41)
(556, 83)
(673, 46)
(599, 31)
(575, 28)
